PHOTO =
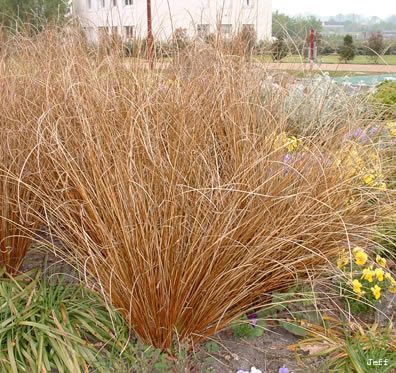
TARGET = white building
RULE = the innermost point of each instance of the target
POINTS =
(128, 18)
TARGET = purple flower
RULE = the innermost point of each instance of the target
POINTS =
(288, 158)
(283, 369)
(362, 135)
(253, 319)
(373, 131)
(357, 133)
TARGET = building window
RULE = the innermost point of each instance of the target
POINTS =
(249, 28)
(128, 2)
(203, 30)
(103, 31)
(89, 4)
(114, 2)
(248, 3)
(102, 3)
(226, 29)
(226, 4)
(129, 32)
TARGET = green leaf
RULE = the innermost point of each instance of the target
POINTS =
(244, 329)
(293, 328)
(212, 347)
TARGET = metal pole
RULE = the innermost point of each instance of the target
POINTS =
(150, 37)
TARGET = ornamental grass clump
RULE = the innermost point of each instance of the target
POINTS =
(170, 190)
(18, 203)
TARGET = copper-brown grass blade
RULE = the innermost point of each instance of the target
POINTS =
(169, 189)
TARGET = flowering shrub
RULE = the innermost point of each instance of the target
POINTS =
(367, 279)
(362, 162)
(386, 93)
(391, 126)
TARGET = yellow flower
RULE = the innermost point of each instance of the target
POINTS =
(382, 187)
(357, 287)
(291, 142)
(389, 277)
(369, 179)
(376, 290)
(351, 201)
(379, 273)
(381, 261)
(392, 281)
(342, 260)
(368, 274)
(360, 256)
(392, 128)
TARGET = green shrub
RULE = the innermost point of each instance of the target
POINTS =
(386, 93)
(67, 328)
(46, 327)
(348, 50)
(245, 329)
(279, 49)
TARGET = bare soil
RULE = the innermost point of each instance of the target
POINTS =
(267, 353)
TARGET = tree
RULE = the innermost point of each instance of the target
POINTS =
(294, 27)
(180, 39)
(36, 13)
(391, 19)
(375, 45)
(279, 49)
(348, 50)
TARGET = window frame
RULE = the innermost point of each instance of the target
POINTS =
(129, 35)
(226, 4)
(228, 26)
(205, 30)
(248, 4)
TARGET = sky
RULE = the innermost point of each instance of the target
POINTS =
(380, 8)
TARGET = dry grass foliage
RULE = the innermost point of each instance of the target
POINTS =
(170, 188)
(18, 170)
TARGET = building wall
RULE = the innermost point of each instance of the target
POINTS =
(173, 14)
